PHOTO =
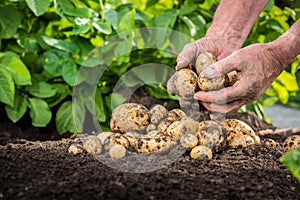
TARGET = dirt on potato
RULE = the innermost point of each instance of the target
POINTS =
(40, 167)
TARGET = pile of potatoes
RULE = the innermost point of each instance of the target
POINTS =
(137, 129)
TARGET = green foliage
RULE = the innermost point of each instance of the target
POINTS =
(55, 51)
(292, 160)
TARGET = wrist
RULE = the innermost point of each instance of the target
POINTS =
(286, 48)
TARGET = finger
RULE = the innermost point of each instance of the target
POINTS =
(225, 108)
(186, 56)
(221, 96)
(170, 86)
(218, 69)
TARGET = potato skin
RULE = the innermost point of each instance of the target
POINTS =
(185, 83)
(130, 117)
(291, 142)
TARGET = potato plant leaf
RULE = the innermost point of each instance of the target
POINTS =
(41, 89)
(64, 119)
(38, 7)
(16, 68)
(40, 112)
(7, 88)
(9, 21)
(292, 160)
(16, 112)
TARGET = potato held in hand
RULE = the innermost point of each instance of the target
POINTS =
(205, 59)
(184, 83)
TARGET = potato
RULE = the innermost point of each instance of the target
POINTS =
(239, 133)
(157, 113)
(154, 142)
(291, 142)
(201, 152)
(130, 117)
(189, 141)
(212, 134)
(92, 145)
(270, 142)
(185, 126)
(204, 60)
(116, 138)
(117, 151)
(185, 83)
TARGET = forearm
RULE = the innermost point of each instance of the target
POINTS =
(233, 21)
(286, 47)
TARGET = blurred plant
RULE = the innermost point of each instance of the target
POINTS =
(292, 160)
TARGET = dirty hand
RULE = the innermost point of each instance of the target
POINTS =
(191, 51)
(256, 65)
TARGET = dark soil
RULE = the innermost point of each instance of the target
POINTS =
(41, 168)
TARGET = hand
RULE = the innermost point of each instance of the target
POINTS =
(257, 67)
(191, 51)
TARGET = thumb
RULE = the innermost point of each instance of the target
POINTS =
(217, 69)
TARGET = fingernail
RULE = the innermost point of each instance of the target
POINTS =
(179, 63)
(208, 72)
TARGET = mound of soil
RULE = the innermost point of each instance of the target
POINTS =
(37, 167)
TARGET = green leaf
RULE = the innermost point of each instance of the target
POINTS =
(69, 72)
(288, 81)
(100, 111)
(16, 112)
(9, 21)
(269, 5)
(7, 88)
(166, 19)
(61, 44)
(54, 61)
(38, 7)
(41, 89)
(16, 68)
(112, 17)
(103, 27)
(40, 112)
(78, 109)
(281, 92)
(64, 119)
(187, 9)
(62, 91)
(292, 160)
(159, 92)
(127, 21)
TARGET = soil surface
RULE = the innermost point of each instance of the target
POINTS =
(40, 167)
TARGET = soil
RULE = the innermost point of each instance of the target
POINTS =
(35, 164)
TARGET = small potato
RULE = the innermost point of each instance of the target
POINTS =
(270, 142)
(189, 141)
(179, 128)
(201, 152)
(117, 151)
(154, 142)
(116, 138)
(291, 142)
(211, 134)
(103, 135)
(175, 115)
(92, 145)
(151, 127)
(130, 117)
(185, 83)
(75, 149)
(157, 113)
(203, 60)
